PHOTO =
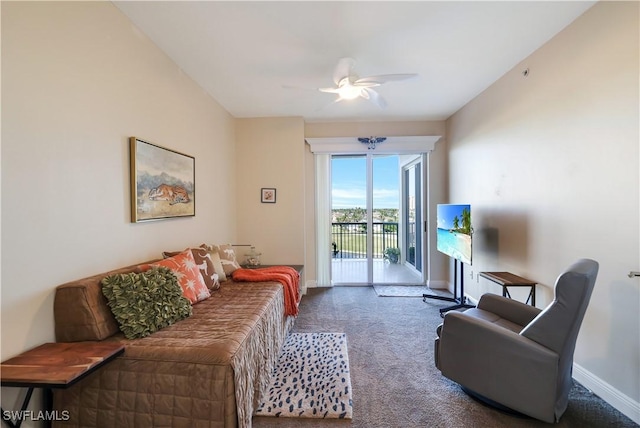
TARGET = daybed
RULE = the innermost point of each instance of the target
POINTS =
(207, 370)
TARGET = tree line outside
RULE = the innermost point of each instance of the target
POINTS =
(351, 238)
(359, 215)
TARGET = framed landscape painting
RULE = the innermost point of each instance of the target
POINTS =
(162, 182)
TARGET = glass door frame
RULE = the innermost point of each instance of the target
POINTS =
(369, 208)
(420, 226)
(368, 158)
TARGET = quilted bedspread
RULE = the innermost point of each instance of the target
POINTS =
(209, 370)
(285, 275)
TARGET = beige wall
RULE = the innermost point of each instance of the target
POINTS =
(270, 153)
(377, 129)
(550, 164)
(77, 80)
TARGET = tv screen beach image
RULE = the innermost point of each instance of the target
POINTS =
(454, 231)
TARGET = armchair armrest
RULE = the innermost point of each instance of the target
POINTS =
(512, 310)
(480, 355)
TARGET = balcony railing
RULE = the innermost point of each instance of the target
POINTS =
(349, 240)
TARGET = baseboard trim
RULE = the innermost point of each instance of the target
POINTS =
(444, 285)
(471, 300)
(441, 285)
(620, 401)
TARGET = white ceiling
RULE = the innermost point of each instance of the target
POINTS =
(245, 54)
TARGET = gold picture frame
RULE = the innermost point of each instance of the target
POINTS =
(162, 182)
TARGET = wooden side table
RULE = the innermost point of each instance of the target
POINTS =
(50, 366)
(507, 279)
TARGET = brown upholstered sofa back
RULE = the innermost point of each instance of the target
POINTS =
(91, 317)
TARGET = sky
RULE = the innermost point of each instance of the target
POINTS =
(446, 214)
(348, 180)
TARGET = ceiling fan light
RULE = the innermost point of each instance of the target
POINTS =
(349, 92)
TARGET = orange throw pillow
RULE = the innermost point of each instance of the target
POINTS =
(189, 277)
(204, 263)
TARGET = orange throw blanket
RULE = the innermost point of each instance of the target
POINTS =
(285, 275)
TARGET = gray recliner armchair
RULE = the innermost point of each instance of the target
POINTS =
(516, 355)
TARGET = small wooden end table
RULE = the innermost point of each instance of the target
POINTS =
(507, 279)
(51, 366)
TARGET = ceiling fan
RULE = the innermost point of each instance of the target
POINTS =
(350, 86)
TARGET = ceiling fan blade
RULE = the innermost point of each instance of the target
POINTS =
(343, 69)
(383, 78)
(365, 84)
(330, 90)
(374, 97)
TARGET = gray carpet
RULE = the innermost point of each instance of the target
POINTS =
(394, 380)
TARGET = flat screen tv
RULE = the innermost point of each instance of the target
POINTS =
(454, 231)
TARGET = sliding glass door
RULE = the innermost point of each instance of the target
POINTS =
(371, 242)
(386, 264)
(412, 221)
(349, 219)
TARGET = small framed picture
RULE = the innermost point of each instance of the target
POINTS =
(268, 195)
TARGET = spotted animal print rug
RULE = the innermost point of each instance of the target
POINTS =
(311, 379)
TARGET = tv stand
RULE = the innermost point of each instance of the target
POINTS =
(460, 302)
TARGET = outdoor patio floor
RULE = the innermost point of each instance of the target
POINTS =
(354, 271)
